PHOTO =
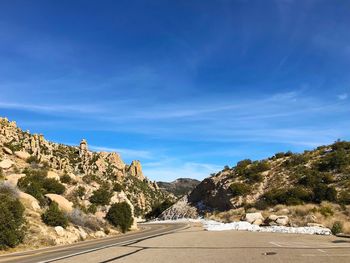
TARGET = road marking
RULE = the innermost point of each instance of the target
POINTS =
(108, 246)
(275, 244)
(321, 250)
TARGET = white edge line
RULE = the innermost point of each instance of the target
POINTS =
(103, 247)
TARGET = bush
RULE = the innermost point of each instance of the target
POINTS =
(344, 198)
(32, 159)
(66, 179)
(80, 191)
(337, 228)
(117, 187)
(158, 208)
(240, 189)
(324, 193)
(37, 184)
(53, 216)
(334, 161)
(79, 218)
(101, 196)
(326, 211)
(92, 209)
(120, 216)
(12, 220)
(293, 196)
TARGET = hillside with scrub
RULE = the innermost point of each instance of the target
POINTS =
(308, 189)
(52, 193)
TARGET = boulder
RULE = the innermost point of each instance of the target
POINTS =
(271, 218)
(29, 201)
(258, 222)
(135, 169)
(13, 178)
(282, 220)
(7, 150)
(99, 234)
(60, 231)
(53, 175)
(6, 164)
(22, 155)
(251, 217)
(62, 202)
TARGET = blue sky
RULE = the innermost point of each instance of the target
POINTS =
(184, 86)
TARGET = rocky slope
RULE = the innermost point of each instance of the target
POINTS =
(82, 172)
(179, 187)
(317, 181)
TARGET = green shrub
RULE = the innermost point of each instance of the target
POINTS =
(101, 196)
(293, 196)
(158, 208)
(117, 187)
(324, 193)
(53, 216)
(240, 189)
(37, 184)
(120, 216)
(334, 161)
(66, 179)
(337, 228)
(326, 211)
(12, 229)
(80, 191)
(295, 160)
(344, 198)
(32, 159)
(92, 209)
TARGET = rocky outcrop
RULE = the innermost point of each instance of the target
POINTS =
(181, 209)
(53, 175)
(253, 218)
(7, 150)
(29, 201)
(13, 178)
(135, 169)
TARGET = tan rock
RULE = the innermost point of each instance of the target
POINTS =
(315, 225)
(29, 201)
(135, 169)
(6, 164)
(60, 231)
(258, 222)
(7, 150)
(282, 220)
(100, 215)
(62, 202)
(251, 217)
(99, 234)
(22, 155)
(13, 178)
(53, 175)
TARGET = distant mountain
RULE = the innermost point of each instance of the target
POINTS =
(180, 186)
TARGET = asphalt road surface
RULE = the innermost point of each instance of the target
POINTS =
(60, 253)
(179, 243)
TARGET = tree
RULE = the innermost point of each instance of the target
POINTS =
(120, 216)
(12, 220)
(101, 196)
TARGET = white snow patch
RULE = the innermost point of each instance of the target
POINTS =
(211, 225)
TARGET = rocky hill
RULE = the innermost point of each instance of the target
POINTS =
(83, 183)
(317, 181)
(179, 187)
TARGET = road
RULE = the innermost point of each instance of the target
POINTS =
(59, 253)
(174, 243)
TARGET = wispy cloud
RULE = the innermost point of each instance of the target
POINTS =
(125, 153)
(343, 96)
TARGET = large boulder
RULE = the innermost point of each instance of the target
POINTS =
(13, 178)
(62, 202)
(29, 201)
(6, 164)
(22, 155)
(251, 217)
(7, 150)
